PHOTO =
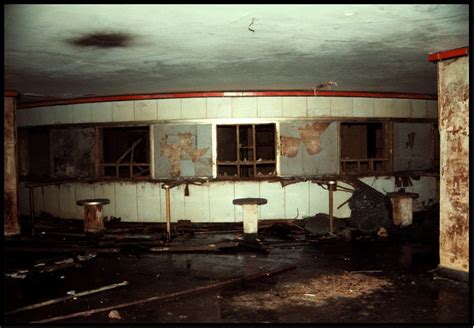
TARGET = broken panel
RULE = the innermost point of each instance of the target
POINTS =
(246, 150)
(125, 152)
(34, 152)
(73, 152)
(183, 150)
(308, 148)
(364, 148)
(412, 146)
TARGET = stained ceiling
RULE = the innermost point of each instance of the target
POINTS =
(67, 51)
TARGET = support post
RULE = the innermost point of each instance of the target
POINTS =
(10, 167)
(331, 187)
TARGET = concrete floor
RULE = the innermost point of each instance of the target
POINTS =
(335, 281)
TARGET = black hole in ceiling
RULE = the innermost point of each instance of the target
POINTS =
(102, 40)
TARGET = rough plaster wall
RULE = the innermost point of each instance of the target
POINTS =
(454, 183)
(182, 150)
(412, 146)
(314, 153)
(73, 152)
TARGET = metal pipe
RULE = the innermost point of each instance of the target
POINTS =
(331, 186)
(32, 210)
(168, 211)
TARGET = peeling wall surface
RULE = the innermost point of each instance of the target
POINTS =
(73, 152)
(10, 174)
(183, 150)
(412, 146)
(308, 148)
(210, 202)
(454, 176)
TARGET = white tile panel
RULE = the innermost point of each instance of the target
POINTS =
(82, 113)
(382, 184)
(51, 200)
(244, 107)
(294, 107)
(196, 205)
(363, 107)
(20, 117)
(106, 190)
(319, 106)
(63, 114)
(269, 106)
(146, 110)
(123, 111)
(318, 199)
(31, 116)
(339, 198)
(126, 201)
(176, 203)
(297, 200)
(148, 201)
(274, 194)
(83, 191)
(169, 109)
(418, 108)
(401, 108)
(221, 195)
(431, 109)
(46, 115)
(247, 189)
(383, 107)
(67, 201)
(193, 108)
(219, 107)
(101, 112)
(38, 200)
(23, 199)
(341, 106)
(426, 188)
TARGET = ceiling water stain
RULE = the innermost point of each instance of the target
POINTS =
(102, 40)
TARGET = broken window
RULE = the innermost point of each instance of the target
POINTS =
(125, 152)
(34, 152)
(365, 148)
(246, 150)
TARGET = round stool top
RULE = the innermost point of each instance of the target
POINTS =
(96, 201)
(249, 201)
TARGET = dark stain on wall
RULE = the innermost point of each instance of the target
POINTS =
(411, 140)
(102, 40)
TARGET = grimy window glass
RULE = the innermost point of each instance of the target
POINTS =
(125, 152)
(246, 150)
(364, 148)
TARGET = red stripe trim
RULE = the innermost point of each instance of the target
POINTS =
(443, 55)
(10, 93)
(230, 94)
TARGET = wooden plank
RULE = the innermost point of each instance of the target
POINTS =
(68, 297)
(172, 296)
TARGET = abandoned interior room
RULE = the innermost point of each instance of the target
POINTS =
(236, 164)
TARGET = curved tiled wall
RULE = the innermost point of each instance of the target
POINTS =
(156, 110)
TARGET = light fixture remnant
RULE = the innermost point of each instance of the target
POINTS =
(323, 85)
(251, 27)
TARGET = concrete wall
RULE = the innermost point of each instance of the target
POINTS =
(412, 146)
(453, 94)
(210, 202)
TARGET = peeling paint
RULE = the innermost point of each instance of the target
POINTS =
(289, 146)
(10, 187)
(310, 136)
(454, 163)
(185, 150)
